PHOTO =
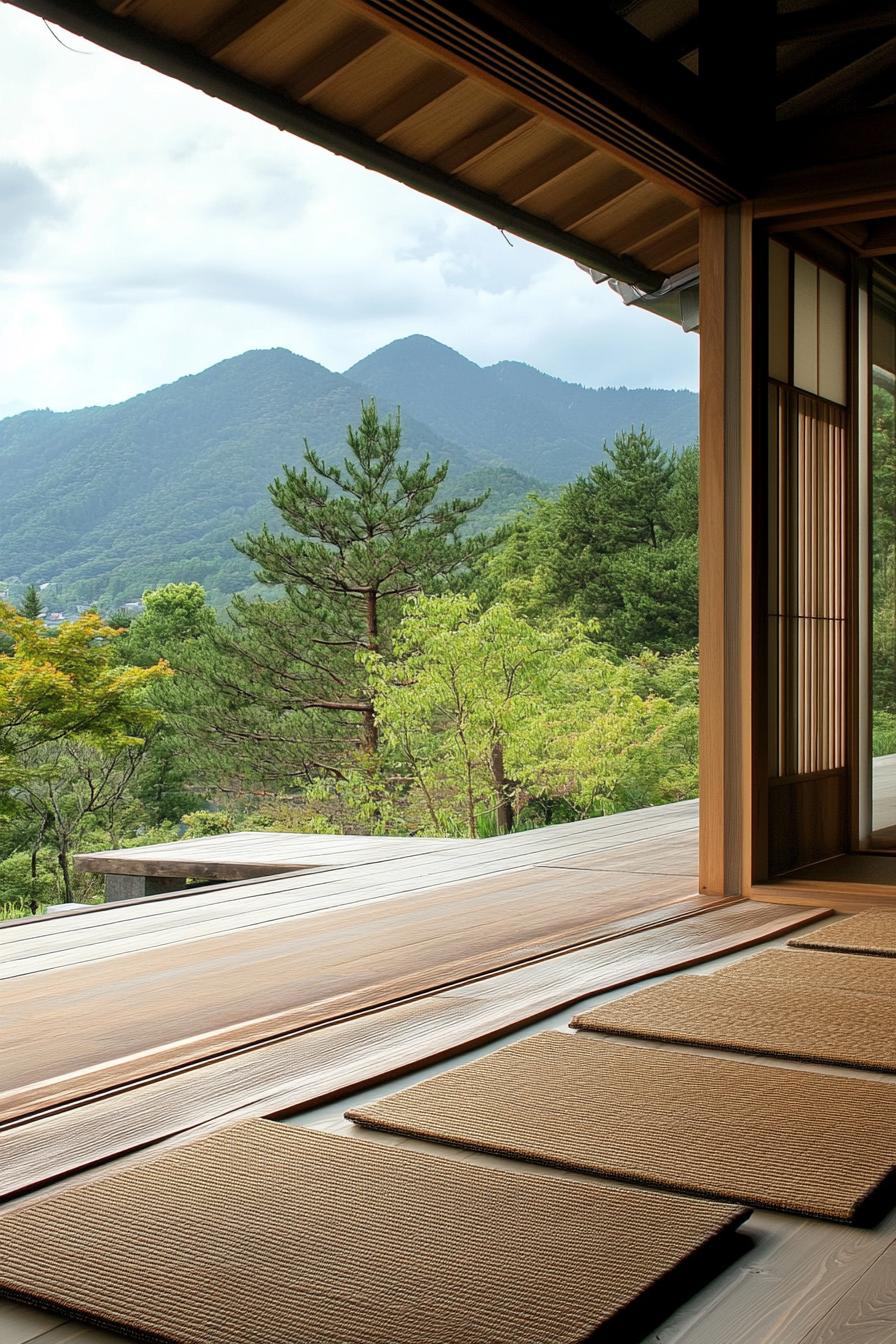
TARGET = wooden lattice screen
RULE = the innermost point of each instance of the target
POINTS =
(807, 583)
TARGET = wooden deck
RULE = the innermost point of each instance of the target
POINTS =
(128, 1028)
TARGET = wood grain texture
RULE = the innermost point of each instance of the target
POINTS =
(866, 1313)
(170, 1004)
(282, 1076)
(797, 1273)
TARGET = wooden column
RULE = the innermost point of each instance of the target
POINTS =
(726, 560)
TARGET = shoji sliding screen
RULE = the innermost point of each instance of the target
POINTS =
(808, 562)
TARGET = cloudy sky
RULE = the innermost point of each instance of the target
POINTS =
(147, 231)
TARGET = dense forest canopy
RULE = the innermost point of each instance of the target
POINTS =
(402, 665)
(104, 503)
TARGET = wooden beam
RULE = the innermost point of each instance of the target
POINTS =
(853, 73)
(833, 216)
(681, 41)
(829, 186)
(840, 137)
(726, 596)
(881, 239)
(601, 78)
(737, 78)
(130, 39)
(834, 20)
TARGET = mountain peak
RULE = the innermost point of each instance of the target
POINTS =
(421, 352)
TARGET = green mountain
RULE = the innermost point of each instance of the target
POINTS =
(513, 413)
(105, 502)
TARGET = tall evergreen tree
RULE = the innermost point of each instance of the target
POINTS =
(31, 605)
(282, 688)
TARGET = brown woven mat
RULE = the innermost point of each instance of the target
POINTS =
(872, 932)
(861, 975)
(792, 1021)
(780, 1138)
(268, 1234)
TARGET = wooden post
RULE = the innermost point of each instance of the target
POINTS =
(726, 569)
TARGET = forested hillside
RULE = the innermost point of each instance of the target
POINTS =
(537, 424)
(401, 669)
(106, 502)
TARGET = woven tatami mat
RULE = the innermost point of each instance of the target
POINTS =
(860, 975)
(872, 932)
(781, 1138)
(792, 1021)
(268, 1234)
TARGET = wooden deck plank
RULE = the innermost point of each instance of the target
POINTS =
(177, 929)
(793, 1281)
(241, 905)
(866, 1313)
(245, 853)
(185, 998)
(313, 1066)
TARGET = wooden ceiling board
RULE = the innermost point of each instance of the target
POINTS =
(364, 69)
(502, 126)
(594, 176)
(641, 200)
(292, 36)
(355, 96)
(547, 174)
(456, 117)
(537, 142)
(185, 22)
(653, 226)
(687, 256)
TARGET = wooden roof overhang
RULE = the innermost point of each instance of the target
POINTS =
(597, 132)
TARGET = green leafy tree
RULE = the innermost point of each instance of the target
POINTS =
(69, 685)
(277, 692)
(487, 711)
(173, 618)
(72, 726)
(31, 604)
(618, 546)
(70, 782)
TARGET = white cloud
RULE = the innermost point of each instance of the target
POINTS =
(149, 231)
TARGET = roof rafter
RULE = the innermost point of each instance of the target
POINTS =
(619, 90)
(173, 58)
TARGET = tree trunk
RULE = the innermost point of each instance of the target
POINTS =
(370, 733)
(503, 793)
(66, 871)
(34, 902)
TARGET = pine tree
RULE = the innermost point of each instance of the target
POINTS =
(31, 605)
(280, 687)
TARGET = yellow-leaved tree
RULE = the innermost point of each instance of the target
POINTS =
(73, 722)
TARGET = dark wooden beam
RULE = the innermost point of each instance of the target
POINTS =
(843, 165)
(737, 77)
(881, 239)
(835, 20)
(130, 39)
(853, 73)
(590, 71)
(682, 41)
(833, 186)
(832, 216)
(837, 137)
